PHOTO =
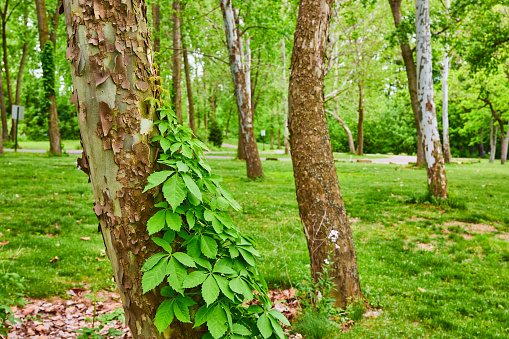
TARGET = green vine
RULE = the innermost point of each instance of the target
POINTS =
(204, 258)
(48, 68)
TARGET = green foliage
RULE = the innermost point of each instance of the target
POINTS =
(428, 198)
(10, 286)
(48, 68)
(315, 326)
(215, 134)
(94, 331)
(205, 261)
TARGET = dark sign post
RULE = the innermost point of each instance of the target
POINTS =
(18, 113)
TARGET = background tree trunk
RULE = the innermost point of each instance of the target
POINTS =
(189, 85)
(437, 181)
(493, 140)
(411, 72)
(156, 23)
(360, 125)
(321, 206)
(177, 61)
(242, 94)
(445, 97)
(505, 142)
(110, 98)
(241, 151)
(44, 36)
(5, 131)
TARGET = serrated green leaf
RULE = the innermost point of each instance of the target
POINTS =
(157, 178)
(162, 204)
(223, 268)
(193, 248)
(251, 250)
(208, 215)
(263, 324)
(217, 322)
(167, 291)
(175, 147)
(177, 274)
(203, 314)
(163, 243)
(174, 191)
(186, 300)
(184, 259)
(186, 151)
(191, 185)
(194, 279)
(153, 260)
(228, 316)
(276, 327)
(248, 257)
(164, 315)
(156, 222)
(173, 220)
(208, 246)
(255, 309)
(227, 195)
(279, 316)
(191, 219)
(169, 236)
(155, 276)
(224, 287)
(210, 290)
(165, 144)
(217, 225)
(203, 263)
(234, 252)
(241, 329)
(239, 286)
(181, 312)
(182, 167)
(211, 186)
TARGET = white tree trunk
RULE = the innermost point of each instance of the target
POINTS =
(493, 140)
(505, 144)
(445, 97)
(437, 181)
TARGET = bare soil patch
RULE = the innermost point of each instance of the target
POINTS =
(472, 228)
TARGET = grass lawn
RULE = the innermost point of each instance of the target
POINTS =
(226, 152)
(44, 145)
(433, 276)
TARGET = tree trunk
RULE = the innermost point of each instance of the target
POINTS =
(192, 124)
(345, 127)
(321, 206)
(278, 130)
(505, 142)
(242, 93)
(53, 128)
(445, 97)
(20, 75)
(411, 72)
(110, 88)
(6, 59)
(437, 181)
(493, 140)
(156, 22)
(360, 125)
(285, 101)
(241, 151)
(272, 130)
(5, 131)
(481, 145)
(213, 101)
(177, 61)
(228, 123)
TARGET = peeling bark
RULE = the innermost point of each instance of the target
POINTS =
(109, 49)
(437, 181)
(242, 93)
(176, 78)
(190, 99)
(411, 71)
(321, 206)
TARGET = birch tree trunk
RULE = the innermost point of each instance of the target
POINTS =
(44, 37)
(445, 97)
(189, 86)
(321, 206)
(505, 143)
(437, 181)
(242, 93)
(107, 48)
(177, 61)
(493, 140)
(411, 71)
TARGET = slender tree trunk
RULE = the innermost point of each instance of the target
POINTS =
(118, 153)
(493, 140)
(321, 206)
(228, 123)
(360, 125)
(5, 132)
(505, 142)
(445, 97)
(336, 116)
(6, 59)
(411, 71)
(44, 37)
(177, 61)
(156, 22)
(285, 101)
(241, 151)
(213, 102)
(278, 130)
(189, 92)
(272, 130)
(481, 145)
(242, 93)
(437, 181)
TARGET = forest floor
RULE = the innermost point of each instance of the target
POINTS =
(435, 271)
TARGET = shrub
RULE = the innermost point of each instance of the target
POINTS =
(215, 134)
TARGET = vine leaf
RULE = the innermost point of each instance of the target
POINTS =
(208, 247)
(173, 220)
(194, 279)
(153, 277)
(191, 185)
(157, 178)
(217, 322)
(164, 315)
(174, 191)
(210, 290)
(156, 222)
(264, 326)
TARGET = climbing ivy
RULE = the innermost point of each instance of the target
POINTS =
(204, 259)
(48, 68)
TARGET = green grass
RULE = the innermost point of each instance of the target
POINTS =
(466, 290)
(225, 152)
(44, 145)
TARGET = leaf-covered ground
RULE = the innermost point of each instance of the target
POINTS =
(435, 272)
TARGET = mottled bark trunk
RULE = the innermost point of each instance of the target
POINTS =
(278, 130)
(360, 124)
(44, 37)
(242, 93)
(111, 80)
(411, 72)
(189, 86)
(493, 140)
(20, 75)
(177, 61)
(505, 143)
(437, 181)
(321, 206)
